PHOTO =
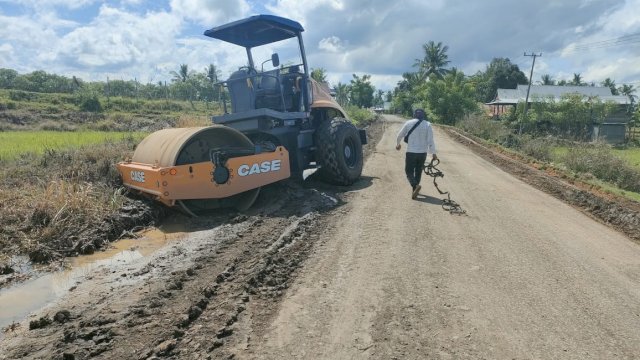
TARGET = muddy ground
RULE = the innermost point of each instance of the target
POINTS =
(213, 294)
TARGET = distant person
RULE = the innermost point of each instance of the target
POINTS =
(418, 134)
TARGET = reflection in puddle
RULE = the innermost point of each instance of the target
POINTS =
(18, 301)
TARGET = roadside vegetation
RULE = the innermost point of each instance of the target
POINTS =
(610, 168)
(62, 202)
(361, 117)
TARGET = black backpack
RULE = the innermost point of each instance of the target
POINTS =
(406, 138)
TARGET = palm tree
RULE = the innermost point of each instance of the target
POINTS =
(546, 79)
(577, 80)
(319, 75)
(182, 75)
(434, 60)
(628, 90)
(212, 73)
(611, 84)
(410, 81)
(342, 94)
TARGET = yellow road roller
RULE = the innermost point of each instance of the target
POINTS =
(279, 123)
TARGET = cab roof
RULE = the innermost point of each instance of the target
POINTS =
(256, 30)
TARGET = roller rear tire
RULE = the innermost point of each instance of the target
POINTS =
(339, 152)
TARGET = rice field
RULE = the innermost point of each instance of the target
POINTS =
(13, 144)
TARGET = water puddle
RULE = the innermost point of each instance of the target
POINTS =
(18, 301)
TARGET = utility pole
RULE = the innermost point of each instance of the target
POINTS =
(526, 100)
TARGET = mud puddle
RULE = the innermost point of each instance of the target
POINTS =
(18, 301)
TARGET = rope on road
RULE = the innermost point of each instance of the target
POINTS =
(447, 204)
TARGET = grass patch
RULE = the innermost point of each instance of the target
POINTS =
(361, 117)
(631, 155)
(612, 189)
(63, 202)
(16, 143)
(604, 165)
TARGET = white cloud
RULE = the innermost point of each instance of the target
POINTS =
(118, 40)
(28, 38)
(6, 53)
(302, 10)
(42, 4)
(378, 37)
(599, 55)
(210, 12)
(331, 44)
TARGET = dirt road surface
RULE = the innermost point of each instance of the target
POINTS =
(522, 276)
(364, 273)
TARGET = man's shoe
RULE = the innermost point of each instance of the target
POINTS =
(416, 190)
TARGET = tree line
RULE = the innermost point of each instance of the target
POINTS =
(358, 92)
(449, 95)
(185, 85)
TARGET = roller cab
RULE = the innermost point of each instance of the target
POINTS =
(203, 168)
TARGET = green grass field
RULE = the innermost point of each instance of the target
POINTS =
(15, 143)
(631, 155)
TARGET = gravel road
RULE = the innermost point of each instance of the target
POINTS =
(522, 275)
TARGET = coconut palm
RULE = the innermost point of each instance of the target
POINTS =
(628, 90)
(611, 84)
(212, 73)
(434, 61)
(577, 80)
(319, 75)
(342, 94)
(410, 81)
(546, 79)
(181, 75)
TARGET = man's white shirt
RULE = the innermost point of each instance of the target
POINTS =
(420, 140)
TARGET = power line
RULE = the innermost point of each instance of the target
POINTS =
(630, 39)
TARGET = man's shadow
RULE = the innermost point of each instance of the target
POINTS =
(429, 199)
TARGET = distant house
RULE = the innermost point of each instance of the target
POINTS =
(613, 128)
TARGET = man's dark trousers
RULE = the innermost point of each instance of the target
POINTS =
(413, 167)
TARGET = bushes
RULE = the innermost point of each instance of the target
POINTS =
(538, 148)
(597, 161)
(359, 116)
(88, 101)
(485, 128)
(604, 165)
(17, 95)
(51, 125)
(9, 105)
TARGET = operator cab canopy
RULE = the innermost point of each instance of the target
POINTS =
(256, 30)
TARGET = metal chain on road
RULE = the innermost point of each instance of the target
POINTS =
(447, 204)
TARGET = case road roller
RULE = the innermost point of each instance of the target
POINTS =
(281, 122)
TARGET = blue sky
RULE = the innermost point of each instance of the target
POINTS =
(126, 39)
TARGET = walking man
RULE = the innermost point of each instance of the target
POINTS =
(418, 134)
